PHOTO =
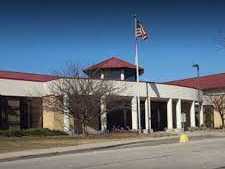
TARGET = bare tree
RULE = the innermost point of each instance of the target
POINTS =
(83, 96)
(218, 102)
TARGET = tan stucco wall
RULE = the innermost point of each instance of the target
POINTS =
(48, 119)
(59, 120)
(217, 120)
(53, 116)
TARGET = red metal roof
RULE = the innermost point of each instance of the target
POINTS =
(26, 76)
(205, 82)
(113, 63)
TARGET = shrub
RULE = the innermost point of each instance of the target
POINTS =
(31, 132)
(11, 133)
(43, 132)
(191, 129)
(59, 133)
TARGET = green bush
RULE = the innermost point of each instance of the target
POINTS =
(31, 132)
(191, 129)
(11, 133)
(43, 132)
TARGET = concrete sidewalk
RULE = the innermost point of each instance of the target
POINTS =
(90, 147)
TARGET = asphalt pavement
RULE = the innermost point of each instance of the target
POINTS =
(202, 153)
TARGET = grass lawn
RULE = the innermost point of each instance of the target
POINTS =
(10, 144)
(24, 143)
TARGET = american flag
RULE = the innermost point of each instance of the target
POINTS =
(140, 31)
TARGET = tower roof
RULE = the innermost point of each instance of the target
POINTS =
(113, 63)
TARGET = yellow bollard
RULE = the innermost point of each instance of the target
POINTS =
(184, 138)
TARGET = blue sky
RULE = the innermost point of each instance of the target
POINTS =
(40, 36)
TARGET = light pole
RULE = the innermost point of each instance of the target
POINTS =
(198, 84)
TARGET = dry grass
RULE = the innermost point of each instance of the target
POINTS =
(12, 144)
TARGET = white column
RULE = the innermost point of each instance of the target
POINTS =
(147, 115)
(122, 76)
(66, 113)
(134, 113)
(201, 116)
(192, 114)
(170, 114)
(102, 75)
(103, 115)
(178, 114)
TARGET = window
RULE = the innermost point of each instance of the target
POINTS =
(113, 74)
(14, 114)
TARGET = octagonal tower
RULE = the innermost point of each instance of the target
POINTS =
(113, 68)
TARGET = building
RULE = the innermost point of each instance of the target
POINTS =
(164, 106)
(209, 85)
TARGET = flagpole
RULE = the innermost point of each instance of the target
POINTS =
(137, 75)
